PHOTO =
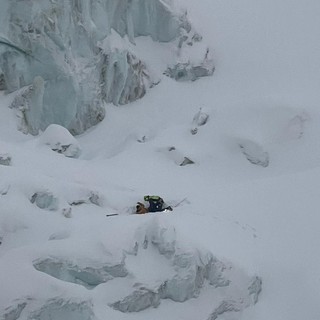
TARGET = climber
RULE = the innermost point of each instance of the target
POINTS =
(156, 204)
(141, 209)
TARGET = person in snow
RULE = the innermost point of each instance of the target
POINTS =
(156, 204)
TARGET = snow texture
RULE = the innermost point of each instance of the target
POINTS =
(242, 239)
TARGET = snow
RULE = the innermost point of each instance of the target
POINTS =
(262, 220)
(60, 140)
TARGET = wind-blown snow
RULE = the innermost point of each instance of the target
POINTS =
(259, 220)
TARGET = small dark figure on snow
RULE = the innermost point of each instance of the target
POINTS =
(156, 204)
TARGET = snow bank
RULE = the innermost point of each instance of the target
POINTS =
(61, 141)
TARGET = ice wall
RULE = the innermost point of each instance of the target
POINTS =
(60, 43)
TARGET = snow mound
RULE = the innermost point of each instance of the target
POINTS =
(254, 153)
(45, 200)
(296, 126)
(190, 72)
(5, 159)
(176, 156)
(60, 140)
(199, 119)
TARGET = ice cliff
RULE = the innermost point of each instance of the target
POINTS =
(69, 57)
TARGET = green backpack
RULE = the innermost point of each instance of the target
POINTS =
(155, 203)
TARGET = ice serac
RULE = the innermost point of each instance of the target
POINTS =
(53, 50)
(87, 276)
(58, 309)
(120, 68)
(191, 270)
(54, 309)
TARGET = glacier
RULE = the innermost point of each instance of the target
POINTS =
(68, 58)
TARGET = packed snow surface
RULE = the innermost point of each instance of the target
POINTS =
(242, 239)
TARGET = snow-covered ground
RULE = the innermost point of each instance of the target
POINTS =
(263, 219)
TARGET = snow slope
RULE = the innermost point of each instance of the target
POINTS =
(263, 220)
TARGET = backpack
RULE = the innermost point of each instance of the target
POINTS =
(155, 203)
